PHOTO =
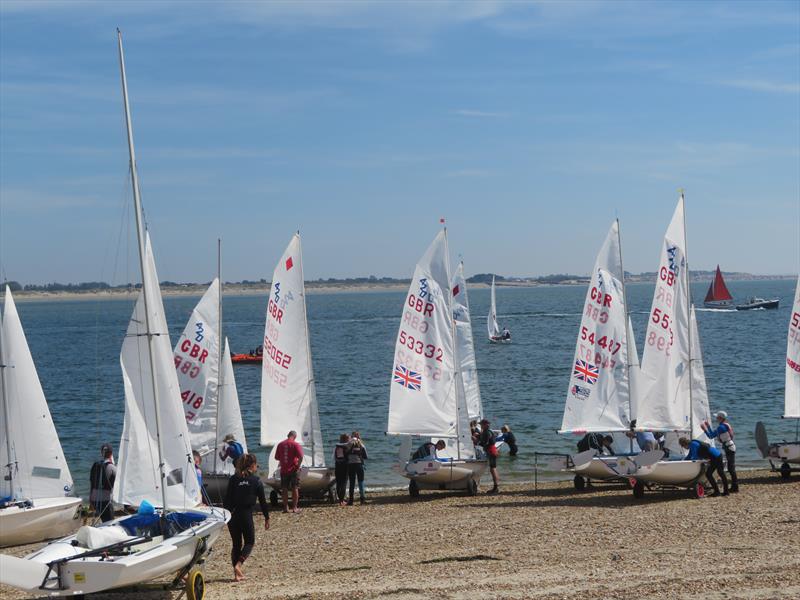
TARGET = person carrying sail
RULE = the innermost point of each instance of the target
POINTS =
(701, 451)
(487, 442)
(428, 450)
(231, 449)
(724, 431)
(101, 482)
(289, 455)
(340, 466)
(244, 490)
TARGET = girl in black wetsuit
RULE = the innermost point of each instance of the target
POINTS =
(244, 489)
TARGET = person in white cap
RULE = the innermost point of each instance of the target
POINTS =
(724, 431)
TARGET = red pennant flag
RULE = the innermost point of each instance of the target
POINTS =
(289, 263)
(441, 220)
(456, 290)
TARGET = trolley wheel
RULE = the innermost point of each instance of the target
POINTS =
(638, 490)
(786, 470)
(472, 487)
(195, 585)
(413, 489)
(331, 496)
(273, 498)
(579, 482)
(698, 490)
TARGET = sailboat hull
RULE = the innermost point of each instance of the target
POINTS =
(314, 481)
(47, 519)
(719, 304)
(147, 561)
(215, 486)
(449, 475)
(606, 468)
(671, 472)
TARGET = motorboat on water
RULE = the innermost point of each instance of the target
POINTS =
(288, 388)
(254, 357)
(154, 467)
(36, 499)
(754, 303)
(428, 397)
(783, 455)
(718, 295)
(208, 390)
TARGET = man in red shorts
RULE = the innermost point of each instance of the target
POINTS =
(289, 455)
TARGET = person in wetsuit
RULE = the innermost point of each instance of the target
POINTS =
(724, 432)
(356, 455)
(244, 490)
(701, 451)
(340, 465)
(596, 441)
(509, 438)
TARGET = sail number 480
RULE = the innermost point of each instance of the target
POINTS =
(418, 346)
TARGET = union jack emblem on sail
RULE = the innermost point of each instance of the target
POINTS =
(407, 378)
(585, 371)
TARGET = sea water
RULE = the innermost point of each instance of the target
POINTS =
(76, 345)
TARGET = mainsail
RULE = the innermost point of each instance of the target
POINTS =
(138, 477)
(465, 345)
(792, 406)
(424, 399)
(701, 411)
(31, 458)
(663, 400)
(288, 393)
(718, 291)
(491, 320)
(197, 363)
(599, 398)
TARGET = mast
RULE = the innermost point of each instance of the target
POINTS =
(310, 387)
(456, 364)
(4, 390)
(627, 329)
(688, 311)
(220, 350)
(137, 201)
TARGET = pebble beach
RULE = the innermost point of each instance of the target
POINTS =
(547, 541)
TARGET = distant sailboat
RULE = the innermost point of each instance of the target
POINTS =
(288, 389)
(495, 333)
(208, 389)
(36, 501)
(718, 295)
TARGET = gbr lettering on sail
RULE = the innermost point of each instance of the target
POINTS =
(416, 349)
(660, 334)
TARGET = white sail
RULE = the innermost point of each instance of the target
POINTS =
(662, 402)
(138, 477)
(197, 366)
(230, 415)
(36, 461)
(288, 393)
(792, 406)
(491, 320)
(598, 397)
(465, 346)
(422, 400)
(701, 411)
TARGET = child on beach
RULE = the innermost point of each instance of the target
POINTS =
(340, 465)
(356, 455)
(244, 490)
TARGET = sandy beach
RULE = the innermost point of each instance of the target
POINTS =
(552, 543)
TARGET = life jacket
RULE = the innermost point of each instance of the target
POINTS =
(235, 450)
(98, 477)
(340, 453)
(726, 438)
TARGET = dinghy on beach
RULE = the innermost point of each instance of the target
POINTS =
(427, 398)
(786, 453)
(155, 469)
(671, 388)
(208, 390)
(603, 367)
(288, 390)
(36, 501)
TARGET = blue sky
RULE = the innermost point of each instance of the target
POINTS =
(528, 125)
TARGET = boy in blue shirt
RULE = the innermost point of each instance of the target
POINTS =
(701, 451)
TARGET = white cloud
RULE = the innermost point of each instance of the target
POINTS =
(762, 85)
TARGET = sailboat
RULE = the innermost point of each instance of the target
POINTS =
(155, 467)
(427, 396)
(288, 391)
(495, 333)
(599, 396)
(465, 345)
(671, 390)
(718, 295)
(208, 390)
(788, 453)
(36, 501)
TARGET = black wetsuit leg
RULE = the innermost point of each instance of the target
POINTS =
(341, 481)
(731, 458)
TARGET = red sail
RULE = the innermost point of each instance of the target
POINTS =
(718, 291)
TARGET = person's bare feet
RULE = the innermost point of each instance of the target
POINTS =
(238, 575)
